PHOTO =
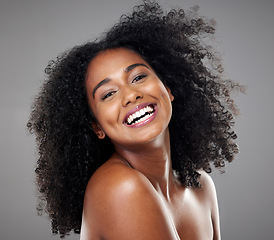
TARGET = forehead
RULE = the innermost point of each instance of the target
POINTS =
(114, 55)
(111, 61)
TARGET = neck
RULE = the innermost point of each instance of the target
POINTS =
(152, 160)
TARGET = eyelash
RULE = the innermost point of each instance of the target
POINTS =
(136, 79)
(108, 95)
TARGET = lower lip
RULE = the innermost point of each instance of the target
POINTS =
(145, 122)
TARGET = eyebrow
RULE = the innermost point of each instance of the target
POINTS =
(105, 81)
(131, 67)
(127, 69)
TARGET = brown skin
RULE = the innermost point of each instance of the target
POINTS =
(135, 194)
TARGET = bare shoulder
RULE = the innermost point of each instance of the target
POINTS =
(120, 203)
(209, 195)
(114, 177)
(108, 183)
(205, 179)
(208, 190)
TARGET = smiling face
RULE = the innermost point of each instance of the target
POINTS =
(128, 100)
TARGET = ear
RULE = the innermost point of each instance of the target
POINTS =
(170, 94)
(98, 130)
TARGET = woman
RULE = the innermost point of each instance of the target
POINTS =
(127, 127)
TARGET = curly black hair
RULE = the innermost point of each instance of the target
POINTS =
(174, 44)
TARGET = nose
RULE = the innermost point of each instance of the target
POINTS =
(131, 95)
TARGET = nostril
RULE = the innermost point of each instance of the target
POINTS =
(132, 98)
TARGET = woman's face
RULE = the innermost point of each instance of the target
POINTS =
(128, 100)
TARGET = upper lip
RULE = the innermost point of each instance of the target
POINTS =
(135, 109)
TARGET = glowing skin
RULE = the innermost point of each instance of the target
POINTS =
(120, 84)
(135, 195)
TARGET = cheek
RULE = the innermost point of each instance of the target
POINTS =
(107, 114)
(155, 87)
(159, 90)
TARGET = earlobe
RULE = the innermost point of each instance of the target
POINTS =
(98, 130)
(101, 134)
(170, 94)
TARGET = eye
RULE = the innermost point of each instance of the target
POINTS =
(109, 94)
(138, 78)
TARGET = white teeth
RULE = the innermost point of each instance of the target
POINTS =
(143, 118)
(141, 112)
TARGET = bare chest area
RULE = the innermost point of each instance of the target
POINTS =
(191, 217)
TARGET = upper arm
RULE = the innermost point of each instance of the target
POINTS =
(127, 207)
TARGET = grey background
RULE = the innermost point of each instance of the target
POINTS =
(33, 32)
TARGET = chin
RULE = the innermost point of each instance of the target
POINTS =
(153, 135)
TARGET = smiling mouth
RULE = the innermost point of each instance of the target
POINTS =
(140, 116)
